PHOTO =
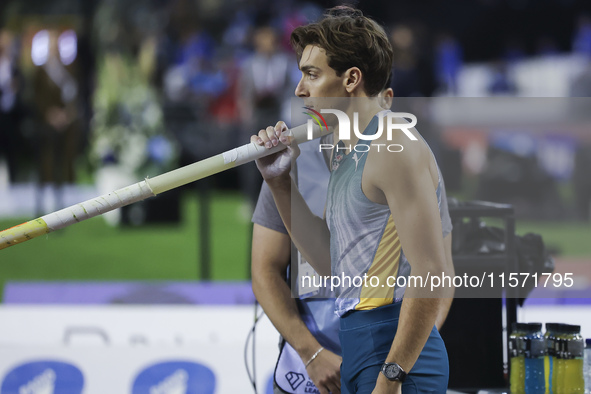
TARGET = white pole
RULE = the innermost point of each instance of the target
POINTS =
(144, 189)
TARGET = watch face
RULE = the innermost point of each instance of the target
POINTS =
(391, 371)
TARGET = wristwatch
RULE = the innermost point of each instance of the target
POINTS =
(393, 372)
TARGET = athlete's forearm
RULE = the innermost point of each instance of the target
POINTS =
(450, 271)
(444, 307)
(417, 318)
(309, 232)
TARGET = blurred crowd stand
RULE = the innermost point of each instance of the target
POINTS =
(156, 84)
(263, 89)
(55, 105)
(11, 111)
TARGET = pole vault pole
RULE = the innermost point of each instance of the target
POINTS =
(144, 189)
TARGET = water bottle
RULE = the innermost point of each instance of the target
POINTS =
(574, 382)
(535, 351)
(549, 359)
(559, 352)
(588, 366)
(517, 358)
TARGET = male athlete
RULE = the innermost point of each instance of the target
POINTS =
(307, 324)
(388, 340)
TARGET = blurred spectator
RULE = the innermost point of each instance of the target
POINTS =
(86, 74)
(582, 182)
(263, 85)
(55, 105)
(236, 35)
(448, 61)
(192, 74)
(501, 83)
(10, 108)
(406, 81)
(582, 39)
(197, 83)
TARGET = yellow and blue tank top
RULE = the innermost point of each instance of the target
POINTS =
(363, 234)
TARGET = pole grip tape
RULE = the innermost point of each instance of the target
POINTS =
(23, 232)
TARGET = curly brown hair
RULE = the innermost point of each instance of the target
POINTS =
(350, 39)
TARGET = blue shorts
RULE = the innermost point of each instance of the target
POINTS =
(366, 338)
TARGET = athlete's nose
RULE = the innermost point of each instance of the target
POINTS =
(301, 90)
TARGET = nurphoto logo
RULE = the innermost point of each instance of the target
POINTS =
(392, 120)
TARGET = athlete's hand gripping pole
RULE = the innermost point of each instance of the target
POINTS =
(144, 189)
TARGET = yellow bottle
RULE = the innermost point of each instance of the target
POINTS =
(517, 357)
(558, 366)
(573, 382)
(549, 359)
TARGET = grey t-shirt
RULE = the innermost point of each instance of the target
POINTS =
(266, 213)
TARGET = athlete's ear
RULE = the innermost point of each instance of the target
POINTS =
(353, 80)
(385, 98)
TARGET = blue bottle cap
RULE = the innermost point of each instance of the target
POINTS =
(588, 342)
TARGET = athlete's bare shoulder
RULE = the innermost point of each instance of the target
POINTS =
(397, 148)
(396, 157)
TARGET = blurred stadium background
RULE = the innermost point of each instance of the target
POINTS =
(99, 94)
